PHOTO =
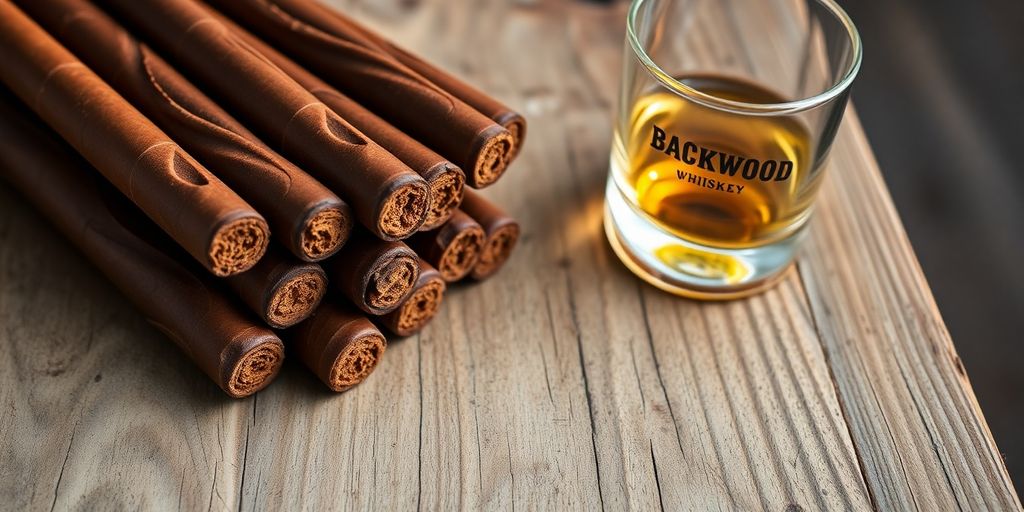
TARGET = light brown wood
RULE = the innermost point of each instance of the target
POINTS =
(562, 383)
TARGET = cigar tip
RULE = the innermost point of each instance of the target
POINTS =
(404, 208)
(256, 368)
(446, 183)
(356, 361)
(493, 149)
(419, 309)
(296, 297)
(516, 126)
(392, 281)
(496, 250)
(462, 254)
(238, 245)
(324, 233)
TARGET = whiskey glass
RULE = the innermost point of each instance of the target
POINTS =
(727, 112)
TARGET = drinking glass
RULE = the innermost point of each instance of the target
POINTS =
(727, 112)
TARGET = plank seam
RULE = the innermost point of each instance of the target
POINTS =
(843, 407)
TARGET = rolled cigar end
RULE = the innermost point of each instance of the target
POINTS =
(446, 183)
(238, 245)
(392, 279)
(339, 344)
(255, 368)
(516, 125)
(404, 207)
(493, 148)
(324, 233)
(356, 360)
(419, 309)
(502, 233)
(462, 253)
(375, 275)
(296, 297)
(454, 248)
(280, 289)
(496, 251)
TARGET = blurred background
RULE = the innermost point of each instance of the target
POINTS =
(941, 96)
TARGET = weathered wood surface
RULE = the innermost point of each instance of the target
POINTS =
(563, 383)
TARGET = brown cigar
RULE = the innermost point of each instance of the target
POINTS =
(283, 292)
(354, 64)
(376, 275)
(454, 248)
(176, 295)
(445, 179)
(310, 220)
(421, 306)
(502, 234)
(200, 212)
(388, 198)
(339, 344)
(487, 105)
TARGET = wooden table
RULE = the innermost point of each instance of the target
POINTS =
(563, 383)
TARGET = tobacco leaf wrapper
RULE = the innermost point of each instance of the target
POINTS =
(356, 66)
(481, 101)
(175, 295)
(308, 219)
(386, 196)
(339, 344)
(445, 179)
(217, 227)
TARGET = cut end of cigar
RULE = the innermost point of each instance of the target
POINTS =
(496, 251)
(296, 298)
(325, 233)
(516, 125)
(517, 130)
(419, 309)
(404, 209)
(357, 361)
(238, 245)
(496, 148)
(391, 282)
(446, 186)
(256, 369)
(462, 254)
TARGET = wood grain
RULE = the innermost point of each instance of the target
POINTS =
(562, 383)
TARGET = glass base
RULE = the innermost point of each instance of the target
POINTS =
(690, 269)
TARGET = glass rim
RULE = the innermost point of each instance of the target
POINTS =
(787, 106)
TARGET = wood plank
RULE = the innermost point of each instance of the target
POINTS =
(564, 382)
(921, 436)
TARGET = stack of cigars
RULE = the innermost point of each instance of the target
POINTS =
(259, 177)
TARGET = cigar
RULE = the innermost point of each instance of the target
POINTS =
(375, 275)
(387, 197)
(454, 248)
(421, 306)
(282, 291)
(175, 295)
(353, 63)
(201, 213)
(339, 345)
(502, 233)
(484, 103)
(444, 178)
(308, 219)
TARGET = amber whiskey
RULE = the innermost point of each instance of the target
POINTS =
(715, 176)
